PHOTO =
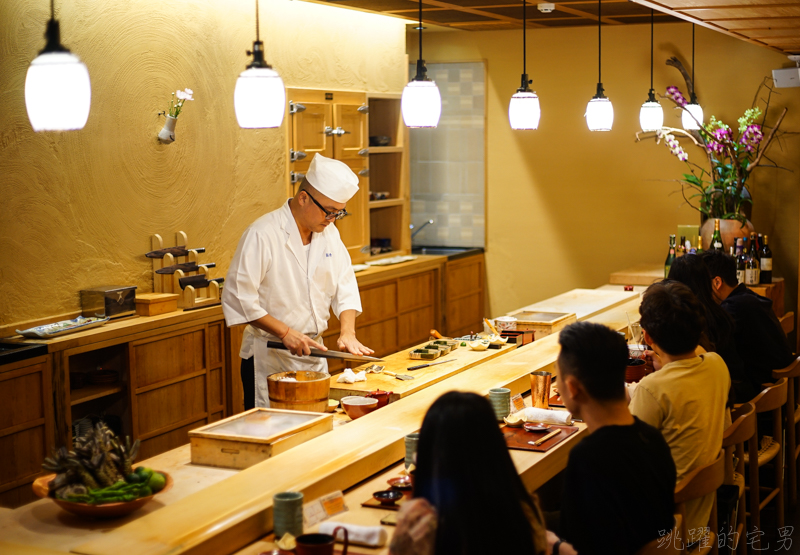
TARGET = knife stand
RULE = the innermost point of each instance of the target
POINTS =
(170, 283)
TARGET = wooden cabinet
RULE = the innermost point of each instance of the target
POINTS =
(465, 294)
(26, 427)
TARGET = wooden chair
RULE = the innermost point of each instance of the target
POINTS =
(771, 399)
(791, 424)
(702, 481)
(665, 545)
(787, 322)
(742, 430)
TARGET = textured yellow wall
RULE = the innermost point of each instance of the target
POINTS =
(565, 207)
(78, 208)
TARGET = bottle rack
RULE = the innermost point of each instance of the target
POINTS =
(189, 297)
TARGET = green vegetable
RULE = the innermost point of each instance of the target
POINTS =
(144, 472)
(157, 482)
(133, 478)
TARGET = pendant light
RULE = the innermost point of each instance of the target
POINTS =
(599, 111)
(523, 110)
(259, 98)
(58, 93)
(693, 108)
(651, 115)
(421, 103)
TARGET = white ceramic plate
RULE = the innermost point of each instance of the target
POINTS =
(392, 260)
(360, 267)
(62, 328)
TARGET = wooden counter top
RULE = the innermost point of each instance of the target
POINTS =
(463, 359)
(380, 273)
(641, 274)
(584, 303)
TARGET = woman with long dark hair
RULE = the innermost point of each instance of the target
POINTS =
(718, 335)
(468, 497)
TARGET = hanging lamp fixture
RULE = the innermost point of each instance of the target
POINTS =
(421, 103)
(651, 115)
(689, 122)
(599, 111)
(523, 109)
(58, 93)
(259, 98)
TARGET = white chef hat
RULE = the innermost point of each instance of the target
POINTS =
(332, 178)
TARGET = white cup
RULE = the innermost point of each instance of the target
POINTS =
(505, 323)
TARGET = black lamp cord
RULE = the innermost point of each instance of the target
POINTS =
(422, 71)
(258, 48)
(52, 33)
(525, 82)
(258, 36)
(599, 51)
(651, 96)
(420, 29)
(693, 98)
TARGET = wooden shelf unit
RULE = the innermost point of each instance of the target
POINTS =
(92, 392)
(386, 149)
(385, 203)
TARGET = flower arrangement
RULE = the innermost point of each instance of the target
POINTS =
(175, 108)
(731, 155)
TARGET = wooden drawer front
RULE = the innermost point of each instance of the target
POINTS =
(169, 405)
(379, 303)
(414, 327)
(21, 399)
(216, 350)
(415, 291)
(464, 313)
(167, 441)
(464, 277)
(23, 453)
(167, 358)
(216, 389)
(380, 337)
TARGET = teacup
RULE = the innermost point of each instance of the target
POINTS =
(320, 544)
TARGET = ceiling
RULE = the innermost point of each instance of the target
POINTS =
(774, 24)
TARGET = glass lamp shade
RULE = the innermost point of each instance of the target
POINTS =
(421, 104)
(259, 98)
(524, 111)
(651, 116)
(599, 114)
(58, 93)
(687, 120)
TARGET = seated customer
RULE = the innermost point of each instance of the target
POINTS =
(759, 337)
(685, 400)
(718, 335)
(620, 481)
(468, 497)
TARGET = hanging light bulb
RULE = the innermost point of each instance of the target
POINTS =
(651, 115)
(523, 109)
(421, 103)
(692, 113)
(259, 98)
(599, 111)
(58, 93)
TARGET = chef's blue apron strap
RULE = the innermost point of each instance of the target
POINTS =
(248, 373)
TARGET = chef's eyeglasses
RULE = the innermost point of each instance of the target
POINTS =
(330, 216)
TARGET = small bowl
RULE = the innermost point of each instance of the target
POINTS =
(480, 345)
(388, 497)
(514, 421)
(356, 406)
(401, 482)
(379, 140)
(536, 427)
(333, 404)
(497, 340)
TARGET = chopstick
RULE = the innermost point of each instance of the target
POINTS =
(545, 438)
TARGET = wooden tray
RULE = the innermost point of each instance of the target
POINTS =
(555, 401)
(375, 504)
(518, 438)
(254, 436)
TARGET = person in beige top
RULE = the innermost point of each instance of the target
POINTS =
(685, 400)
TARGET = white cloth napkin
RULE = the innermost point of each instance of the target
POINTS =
(560, 417)
(371, 536)
(348, 376)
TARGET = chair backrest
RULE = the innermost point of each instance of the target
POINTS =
(743, 426)
(701, 481)
(772, 397)
(791, 371)
(667, 544)
(787, 322)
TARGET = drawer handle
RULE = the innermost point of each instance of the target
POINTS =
(230, 451)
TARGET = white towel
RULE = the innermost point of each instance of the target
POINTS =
(560, 417)
(348, 376)
(371, 536)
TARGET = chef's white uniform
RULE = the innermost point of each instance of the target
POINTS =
(273, 273)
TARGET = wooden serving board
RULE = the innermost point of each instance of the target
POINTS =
(373, 503)
(518, 438)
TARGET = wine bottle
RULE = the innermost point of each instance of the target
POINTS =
(716, 238)
(741, 260)
(680, 248)
(766, 262)
(670, 256)
(751, 271)
(699, 249)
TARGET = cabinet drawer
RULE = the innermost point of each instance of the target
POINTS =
(380, 337)
(415, 291)
(171, 404)
(379, 302)
(21, 399)
(23, 453)
(464, 278)
(168, 357)
(414, 327)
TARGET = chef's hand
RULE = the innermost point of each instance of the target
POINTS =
(300, 344)
(653, 357)
(416, 529)
(348, 342)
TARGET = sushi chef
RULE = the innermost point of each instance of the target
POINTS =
(289, 270)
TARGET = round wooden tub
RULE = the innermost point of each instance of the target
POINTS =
(309, 392)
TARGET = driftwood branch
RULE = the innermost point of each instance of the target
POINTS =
(771, 136)
(677, 64)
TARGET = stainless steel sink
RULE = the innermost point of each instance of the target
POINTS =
(450, 252)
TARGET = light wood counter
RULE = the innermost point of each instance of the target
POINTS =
(228, 515)
(584, 303)
(463, 359)
(641, 274)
